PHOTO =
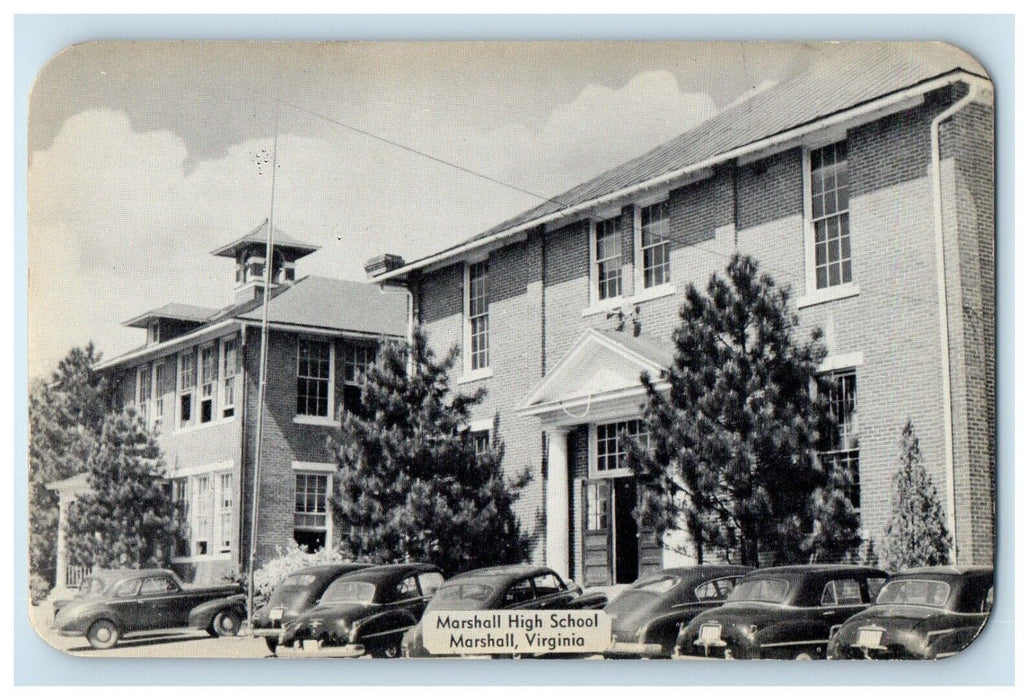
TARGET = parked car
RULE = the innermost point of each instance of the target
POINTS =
(295, 594)
(221, 617)
(93, 586)
(136, 601)
(513, 587)
(368, 611)
(647, 616)
(925, 613)
(784, 612)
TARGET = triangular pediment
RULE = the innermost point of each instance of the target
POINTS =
(600, 366)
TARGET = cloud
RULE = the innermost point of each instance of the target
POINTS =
(122, 221)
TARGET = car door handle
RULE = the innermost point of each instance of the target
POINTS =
(829, 613)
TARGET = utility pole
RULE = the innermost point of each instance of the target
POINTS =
(263, 350)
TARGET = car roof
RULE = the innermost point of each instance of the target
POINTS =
(805, 569)
(506, 572)
(946, 570)
(383, 572)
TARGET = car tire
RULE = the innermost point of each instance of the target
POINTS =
(103, 634)
(271, 644)
(390, 651)
(226, 623)
(805, 656)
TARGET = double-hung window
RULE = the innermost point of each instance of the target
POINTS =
(829, 213)
(311, 510)
(202, 503)
(355, 358)
(840, 446)
(188, 380)
(160, 381)
(477, 289)
(209, 376)
(205, 503)
(182, 501)
(231, 359)
(315, 370)
(607, 262)
(225, 506)
(654, 244)
(144, 390)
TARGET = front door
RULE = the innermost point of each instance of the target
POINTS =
(611, 541)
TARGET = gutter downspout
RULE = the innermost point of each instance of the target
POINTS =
(944, 322)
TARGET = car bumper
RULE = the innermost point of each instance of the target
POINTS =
(633, 649)
(312, 647)
(274, 632)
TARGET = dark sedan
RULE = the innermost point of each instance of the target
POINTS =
(928, 613)
(647, 616)
(515, 587)
(138, 601)
(367, 612)
(784, 612)
(295, 594)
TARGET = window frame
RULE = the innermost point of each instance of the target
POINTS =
(328, 485)
(639, 249)
(472, 373)
(227, 376)
(329, 417)
(208, 390)
(596, 300)
(186, 362)
(852, 454)
(811, 293)
(593, 452)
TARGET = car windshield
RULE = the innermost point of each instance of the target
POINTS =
(349, 592)
(760, 590)
(915, 592)
(463, 596)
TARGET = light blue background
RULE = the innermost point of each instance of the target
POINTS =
(990, 38)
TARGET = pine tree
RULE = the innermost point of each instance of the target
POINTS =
(731, 458)
(916, 532)
(128, 518)
(409, 484)
(65, 415)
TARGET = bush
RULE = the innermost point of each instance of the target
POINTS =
(288, 561)
(38, 589)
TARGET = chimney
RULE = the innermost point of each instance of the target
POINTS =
(381, 264)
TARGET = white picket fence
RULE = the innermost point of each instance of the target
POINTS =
(74, 575)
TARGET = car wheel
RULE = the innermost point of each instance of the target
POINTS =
(227, 623)
(271, 644)
(388, 652)
(805, 656)
(103, 634)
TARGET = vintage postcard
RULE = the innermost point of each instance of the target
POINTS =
(668, 350)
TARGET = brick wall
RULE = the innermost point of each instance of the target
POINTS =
(888, 331)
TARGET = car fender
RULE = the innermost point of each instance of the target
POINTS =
(664, 629)
(88, 616)
(588, 601)
(201, 616)
(384, 623)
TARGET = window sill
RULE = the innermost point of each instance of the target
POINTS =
(657, 292)
(475, 375)
(315, 420)
(822, 296)
(610, 474)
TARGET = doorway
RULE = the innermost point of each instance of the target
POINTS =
(611, 542)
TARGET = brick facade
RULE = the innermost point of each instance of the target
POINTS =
(887, 329)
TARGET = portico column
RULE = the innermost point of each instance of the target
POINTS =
(557, 500)
(60, 577)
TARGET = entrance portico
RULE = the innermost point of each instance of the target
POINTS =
(592, 396)
(68, 490)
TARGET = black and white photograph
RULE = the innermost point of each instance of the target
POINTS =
(669, 350)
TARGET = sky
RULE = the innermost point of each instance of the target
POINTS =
(143, 156)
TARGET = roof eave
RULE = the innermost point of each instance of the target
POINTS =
(787, 136)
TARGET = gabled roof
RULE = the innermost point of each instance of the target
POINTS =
(176, 312)
(857, 74)
(601, 368)
(281, 240)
